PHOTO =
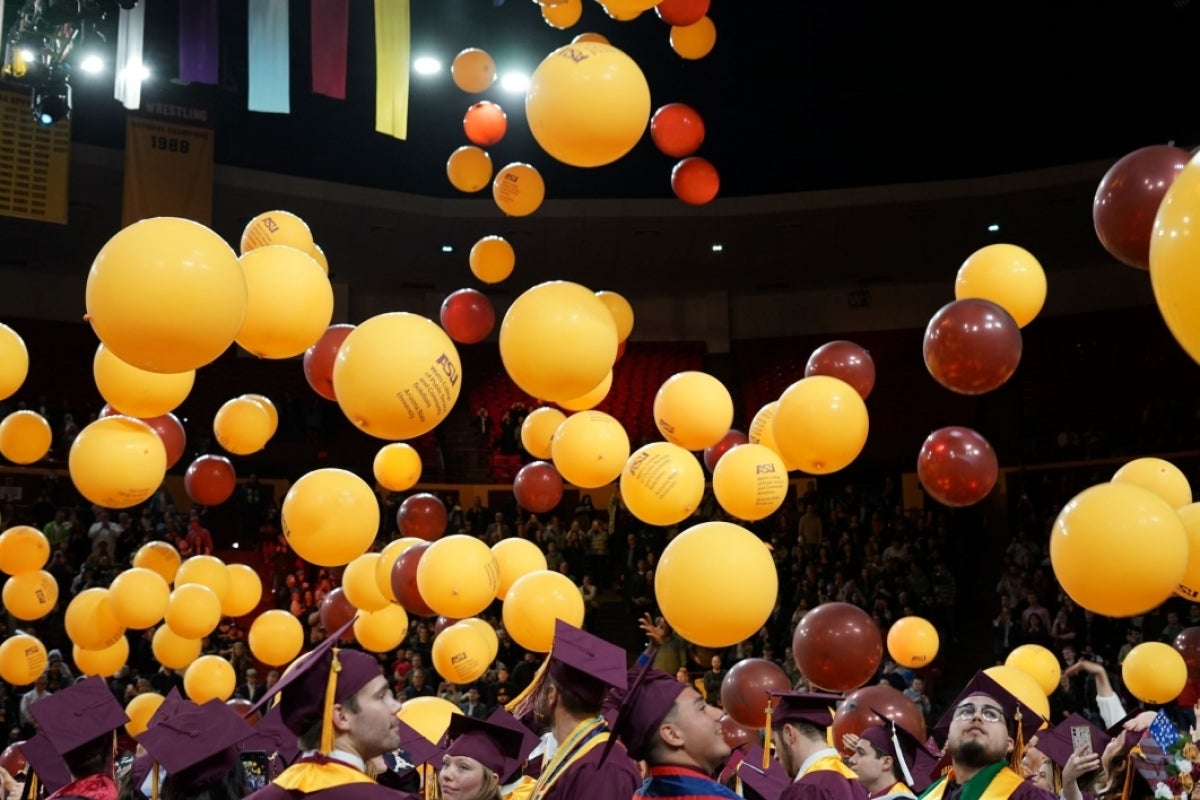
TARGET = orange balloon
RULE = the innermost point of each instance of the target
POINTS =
(518, 190)
(492, 259)
(473, 70)
(485, 123)
(694, 41)
(469, 169)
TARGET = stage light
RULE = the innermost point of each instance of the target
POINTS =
(515, 82)
(426, 65)
(51, 102)
(93, 64)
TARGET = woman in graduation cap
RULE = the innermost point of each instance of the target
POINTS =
(1053, 762)
(481, 757)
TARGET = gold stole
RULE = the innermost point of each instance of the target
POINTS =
(832, 764)
(311, 777)
(586, 736)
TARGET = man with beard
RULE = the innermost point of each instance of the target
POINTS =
(799, 722)
(986, 730)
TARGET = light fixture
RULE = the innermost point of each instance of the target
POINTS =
(717, 248)
(427, 65)
(92, 64)
(51, 102)
(514, 82)
(993, 227)
(447, 248)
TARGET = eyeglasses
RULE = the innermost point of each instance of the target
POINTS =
(968, 711)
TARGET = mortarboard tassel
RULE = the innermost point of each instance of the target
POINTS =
(767, 735)
(908, 778)
(1129, 769)
(1018, 752)
(153, 780)
(327, 712)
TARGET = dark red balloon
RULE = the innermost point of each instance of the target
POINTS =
(538, 487)
(174, 438)
(845, 361)
(1128, 198)
(855, 713)
(957, 466)
(210, 480)
(1187, 642)
(681, 12)
(620, 351)
(485, 123)
(695, 181)
(713, 453)
(972, 346)
(318, 360)
(12, 759)
(837, 646)
(336, 611)
(404, 581)
(442, 623)
(737, 735)
(423, 516)
(677, 130)
(242, 707)
(467, 316)
(746, 690)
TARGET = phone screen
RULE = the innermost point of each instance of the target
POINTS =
(257, 765)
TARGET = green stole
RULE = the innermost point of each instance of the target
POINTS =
(996, 782)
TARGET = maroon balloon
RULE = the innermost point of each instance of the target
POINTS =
(423, 516)
(467, 316)
(12, 759)
(746, 690)
(713, 453)
(857, 712)
(737, 735)
(174, 438)
(442, 623)
(972, 346)
(404, 581)
(1187, 642)
(681, 12)
(957, 466)
(242, 707)
(318, 360)
(538, 487)
(845, 361)
(336, 610)
(837, 646)
(677, 130)
(210, 480)
(1128, 198)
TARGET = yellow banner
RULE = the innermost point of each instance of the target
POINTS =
(392, 48)
(34, 162)
(168, 164)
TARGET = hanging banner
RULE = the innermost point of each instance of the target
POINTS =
(392, 47)
(199, 42)
(330, 26)
(269, 72)
(34, 162)
(168, 163)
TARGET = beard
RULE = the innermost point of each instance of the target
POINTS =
(974, 754)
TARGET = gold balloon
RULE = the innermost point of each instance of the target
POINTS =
(139, 598)
(460, 654)
(209, 678)
(1174, 253)
(90, 621)
(397, 467)
(268, 406)
(821, 424)
(762, 431)
(912, 642)
(1035, 661)
(563, 15)
(518, 189)
(1189, 584)
(318, 256)
(358, 583)
(515, 557)
(1008, 276)
(590, 399)
(161, 557)
(469, 169)
(141, 710)
(30, 595)
(277, 228)
(103, 663)
(276, 637)
(1023, 686)
(387, 560)
(245, 591)
(457, 576)
(590, 449)
(172, 650)
(1161, 477)
(622, 313)
(117, 462)
(25, 437)
(428, 716)
(194, 611)
(492, 259)
(242, 426)
(23, 548)
(289, 302)
(14, 361)
(473, 71)
(694, 41)
(750, 482)
(662, 484)
(330, 517)
(22, 659)
(207, 571)
(383, 629)
(138, 392)
(693, 410)
(535, 602)
(1154, 672)
(537, 431)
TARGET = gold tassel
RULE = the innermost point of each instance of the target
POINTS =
(153, 780)
(767, 736)
(1129, 769)
(520, 705)
(1018, 752)
(327, 712)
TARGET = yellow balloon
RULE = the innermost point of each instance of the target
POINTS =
(750, 482)
(518, 189)
(90, 621)
(172, 650)
(662, 484)
(473, 71)
(1023, 686)
(330, 517)
(138, 392)
(207, 571)
(762, 431)
(912, 642)
(104, 663)
(289, 302)
(590, 449)
(563, 15)
(821, 424)
(268, 406)
(276, 637)
(492, 259)
(537, 431)
(1174, 253)
(488, 633)
(22, 659)
(1038, 663)
(23, 548)
(387, 560)
(30, 595)
(1154, 672)
(242, 426)
(736, 593)
(395, 392)
(558, 341)
(1189, 585)
(117, 462)
(428, 716)
(166, 295)
(358, 583)
(458, 576)
(588, 104)
(193, 611)
(515, 557)
(460, 654)
(140, 710)
(1008, 276)
(139, 598)
(694, 41)
(160, 557)
(590, 37)
(14, 361)
(591, 399)
(693, 410)
(1118, 549)
(25, 437)
(469, 169)
(318, 255)
(397, 467)
(622, 313)
(245, 591)
(208, 678)
(276, 228)
(1161, 477)
(534, 602)
(383, 629)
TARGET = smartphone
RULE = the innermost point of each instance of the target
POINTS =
(1081, 737)
(257, 766)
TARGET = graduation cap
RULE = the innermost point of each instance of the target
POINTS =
(1020, 720)
(1058, 742)
(45, 763)
(784, 708)
(499, 748)
(914, 757)
(270, 735)
(78, 714)
(580, 662)
(767, 782)
(196, 743)
(641, 708)
(529, 740)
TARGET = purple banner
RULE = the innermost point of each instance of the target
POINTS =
(198, 58)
